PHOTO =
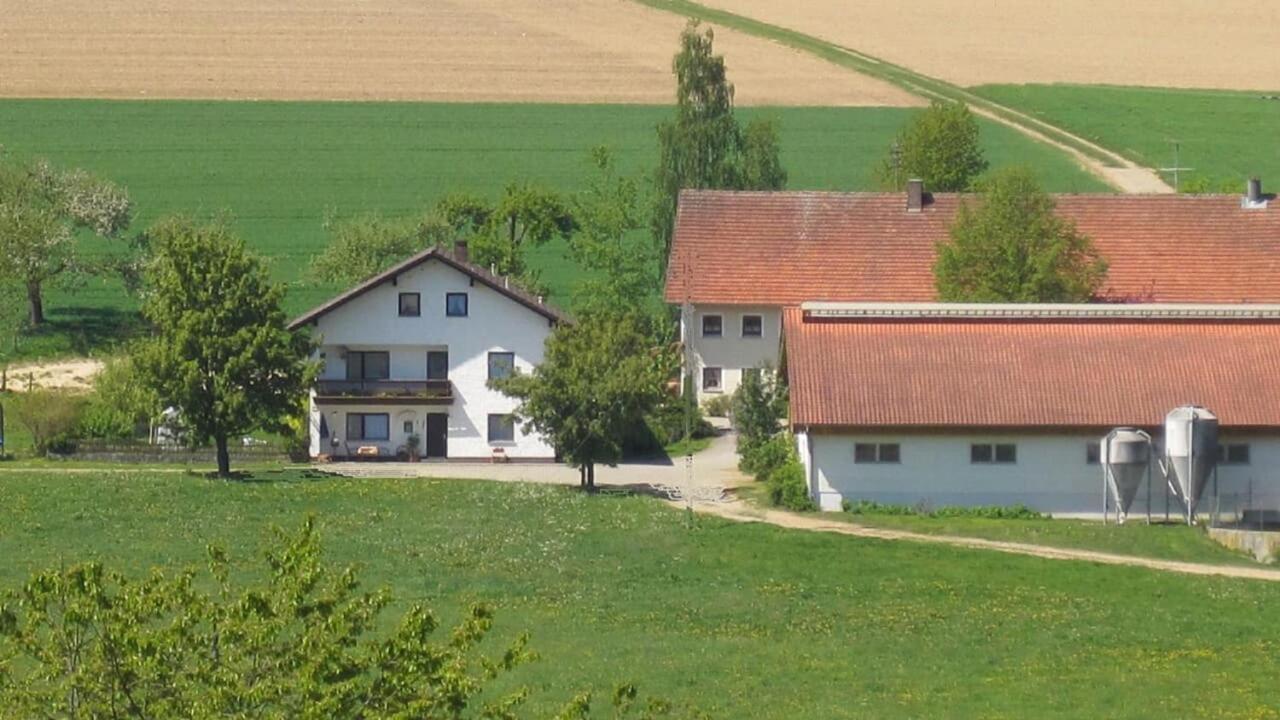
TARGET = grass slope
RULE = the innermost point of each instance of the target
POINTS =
(1224, 136)
(278, 167)
(746, 620)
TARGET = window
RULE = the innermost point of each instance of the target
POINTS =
(455, 304)
(998, 453)
(711, 379)
(368, 426)
(368, 365)
(502, 428)
(752, 326)
(712, 326)
(437, 364)
(501, 365)
(408, 427)
(410, 304)
(877, 453)
(1093, 453)
(1237, 454)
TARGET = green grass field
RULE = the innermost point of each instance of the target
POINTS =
(1225, 137)
(745, 620)
(278, 167)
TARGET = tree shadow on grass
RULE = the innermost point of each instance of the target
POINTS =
(81, 330)
(292, 475)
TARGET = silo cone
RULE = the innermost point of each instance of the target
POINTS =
(1126, 453)
(1191, 447)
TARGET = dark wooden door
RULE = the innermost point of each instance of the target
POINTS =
(437, 435)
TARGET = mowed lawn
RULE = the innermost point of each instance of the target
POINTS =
(745, 620)
(1225, 137)
(278, 168)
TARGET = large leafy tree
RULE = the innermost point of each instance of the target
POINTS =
(302, 642)
(1010, 246)
(368, 244)
(704, 146)
(940, 145)
(41, 208)
(221, 352)
(598, 379)
(623, 270)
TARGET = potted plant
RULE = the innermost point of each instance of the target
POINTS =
(414, 444)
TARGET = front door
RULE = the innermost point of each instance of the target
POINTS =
(437, 435)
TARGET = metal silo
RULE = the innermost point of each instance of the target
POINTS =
(1125, 454)
(1191, 453)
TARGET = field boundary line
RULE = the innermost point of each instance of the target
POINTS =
(741, 512)
(1110, 166)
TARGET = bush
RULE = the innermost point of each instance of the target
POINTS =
(718, 406)
(758, 406)
(923, 509)
(120, 403)
(788, 488)
(763, 458)
(52, 419)
(667, 421)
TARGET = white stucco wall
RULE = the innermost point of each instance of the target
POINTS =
(732, 352)
(1051, 473)
(494, 323)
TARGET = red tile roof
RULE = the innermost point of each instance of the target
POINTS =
(939, 372)
(785, 248)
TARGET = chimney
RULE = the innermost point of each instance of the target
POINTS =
(460, 250)
(1253, 193)
(915, 195)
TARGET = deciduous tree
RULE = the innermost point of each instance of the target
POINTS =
(41, 207)
(1010, 246)
(704, 146)
(598, 379)
(221, 353)
(940, 145)
(366, 245)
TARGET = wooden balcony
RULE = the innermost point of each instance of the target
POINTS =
(397, 392)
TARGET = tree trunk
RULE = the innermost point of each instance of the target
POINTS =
(35, 304)
(591, 476)
(582, 476)
(224, 457)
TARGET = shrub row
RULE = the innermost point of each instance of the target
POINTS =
(992, 512)
(776, 463)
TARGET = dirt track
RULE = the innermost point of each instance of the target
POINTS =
(447, 50)
(1226, 44)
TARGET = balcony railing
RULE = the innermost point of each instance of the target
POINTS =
(427, 390)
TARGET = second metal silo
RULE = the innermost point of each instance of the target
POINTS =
(1125, 454)
(1190, 452)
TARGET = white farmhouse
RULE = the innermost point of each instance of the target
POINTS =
(409, 353)
(739, 258)
(957, 404)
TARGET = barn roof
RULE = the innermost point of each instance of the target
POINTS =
(933, 366)
(784, 248)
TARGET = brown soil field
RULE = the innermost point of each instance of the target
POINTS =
(1223, 44)
(588, 51)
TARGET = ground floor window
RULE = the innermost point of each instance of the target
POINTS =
(711, 379)
(877, 453)
(1001, 453)
(1235, 454)
(502, 428)
(368, 426)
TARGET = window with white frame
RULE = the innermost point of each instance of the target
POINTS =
(752, 326)
(712, 326)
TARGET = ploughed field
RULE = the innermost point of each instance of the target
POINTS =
(1228, 44)
(452, 50)
(278, 168)
(745, 620)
